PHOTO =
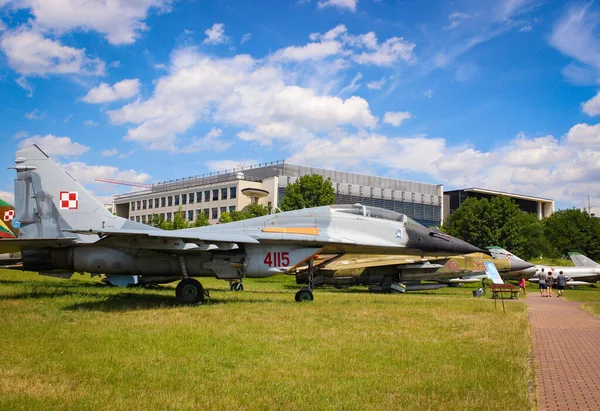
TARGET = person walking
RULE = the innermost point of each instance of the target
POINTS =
(522, 286)
(549, 285)
(543, 277)
(561, 281)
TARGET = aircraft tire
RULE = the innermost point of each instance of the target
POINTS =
(304, 295)
(189, 291)
(236, 286)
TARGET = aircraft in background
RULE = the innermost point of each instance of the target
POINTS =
(581, 260)
(389, 273)
(576, 276)
(64, 229)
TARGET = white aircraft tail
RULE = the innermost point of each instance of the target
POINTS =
(581, 260)
(499, 252)
(49, 202)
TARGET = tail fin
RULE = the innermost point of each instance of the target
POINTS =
(499, 252)
(581, 260)
(48, 200)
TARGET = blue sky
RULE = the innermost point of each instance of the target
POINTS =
(501, 94)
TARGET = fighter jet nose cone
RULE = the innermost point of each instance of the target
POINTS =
(519, 265)
(438, 242)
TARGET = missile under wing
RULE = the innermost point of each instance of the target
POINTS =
(64, 229)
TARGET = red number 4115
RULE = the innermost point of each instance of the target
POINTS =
(277, 259)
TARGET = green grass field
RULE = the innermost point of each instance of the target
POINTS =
(79, 344)
(589, 296)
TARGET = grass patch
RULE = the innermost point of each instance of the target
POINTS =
(589, 296)
(80, 344)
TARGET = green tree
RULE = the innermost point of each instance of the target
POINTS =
(308, 191)
(201, 220)
(250, 211)
(157, 220)
(499, 222)
(226, 218)
(179, 220)
(573, 230)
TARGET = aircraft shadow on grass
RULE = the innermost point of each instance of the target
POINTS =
(122, 300)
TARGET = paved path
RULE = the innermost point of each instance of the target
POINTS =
(566, 346)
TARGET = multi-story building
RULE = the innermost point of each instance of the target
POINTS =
(542, 207)
(265, 184)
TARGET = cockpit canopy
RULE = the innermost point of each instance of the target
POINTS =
(373, 212)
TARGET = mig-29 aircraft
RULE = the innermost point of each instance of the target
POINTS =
(64, 229)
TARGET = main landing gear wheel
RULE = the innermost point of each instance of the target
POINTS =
(237, 286)
(304, 295)
(190, 291)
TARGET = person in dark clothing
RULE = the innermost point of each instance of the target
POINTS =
(561, 281)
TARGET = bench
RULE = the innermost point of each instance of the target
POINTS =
(498, 290)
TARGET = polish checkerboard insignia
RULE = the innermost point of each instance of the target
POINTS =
(9, 215)
(69, 200)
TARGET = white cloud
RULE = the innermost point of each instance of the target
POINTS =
(428, 94)
(86, 174)
(7, 196)
(121, 21)
(342, 4)
(389, 52)
(55, 146)
(592, 106)
(106, 93)
(239, 91)
(376, 85)
(221, 165)
(216, 34)
(566, 170)
(246, 37)
(35, 115)
(20, 134)
(396, 118)
(575, 35)
(584, 135)
(311, 51)
(25, 85)
(210, 142)
(30, 53)
(456, 18)
(90, 123)
(69, 117)
(2, 26)
(109, 153)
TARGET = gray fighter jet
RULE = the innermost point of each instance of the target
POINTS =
(64, 229)
(576, 276)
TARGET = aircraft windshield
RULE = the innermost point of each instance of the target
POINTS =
(373, 212)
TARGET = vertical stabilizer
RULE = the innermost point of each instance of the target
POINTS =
(49, 201)
(581, 260)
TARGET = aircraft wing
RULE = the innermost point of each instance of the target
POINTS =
(14, 245)
(168, 240)
(196, 236)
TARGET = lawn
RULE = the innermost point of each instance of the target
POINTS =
(80, 344)
(589, 296)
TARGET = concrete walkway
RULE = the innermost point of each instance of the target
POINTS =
(566, 346)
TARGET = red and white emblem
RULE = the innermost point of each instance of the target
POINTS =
(9, 215)
(69, 200)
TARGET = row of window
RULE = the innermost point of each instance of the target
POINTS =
(213, 213)
(186, 198)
